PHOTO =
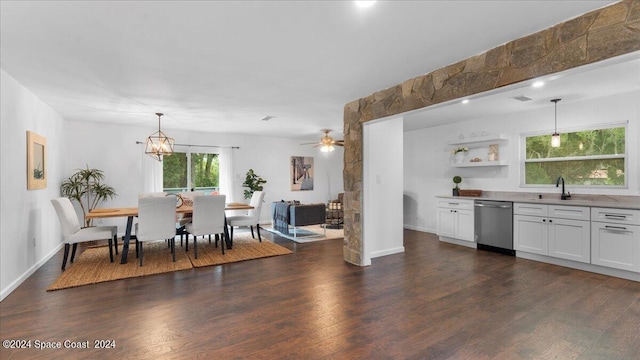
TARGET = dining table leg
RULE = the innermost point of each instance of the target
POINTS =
(125, 241)
(227, 238)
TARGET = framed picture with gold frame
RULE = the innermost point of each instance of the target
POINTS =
(36, 161)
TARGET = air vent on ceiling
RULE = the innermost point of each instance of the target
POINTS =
(522, 98)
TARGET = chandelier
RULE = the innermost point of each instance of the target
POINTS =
(159, 144)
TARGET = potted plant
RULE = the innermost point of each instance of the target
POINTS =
(456, 180)
(459, 153)
(85, 187)
(253, 182)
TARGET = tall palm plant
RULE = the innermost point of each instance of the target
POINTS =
(85, 187)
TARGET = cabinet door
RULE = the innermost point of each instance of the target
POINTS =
(446, 222)
(530, 234)
(570, 239)
(616, 246)
(464, 225)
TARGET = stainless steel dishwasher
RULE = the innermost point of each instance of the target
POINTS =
(494, 226)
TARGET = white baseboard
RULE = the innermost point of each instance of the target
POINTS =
(449, 240)
(386, 252)
(419, 228)
(14, 285)
(580, 266)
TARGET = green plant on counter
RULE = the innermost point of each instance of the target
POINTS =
(457, 180)
(84, 187)
(253, 182)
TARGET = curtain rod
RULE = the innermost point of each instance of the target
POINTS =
(190, 145)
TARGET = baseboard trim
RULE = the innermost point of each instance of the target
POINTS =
(449, 240)
(14, 285)
(418, 228)
(580, 266)
(386, 252)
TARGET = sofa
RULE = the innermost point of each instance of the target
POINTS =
(285, 214)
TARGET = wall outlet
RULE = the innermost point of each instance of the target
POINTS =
(33, 241)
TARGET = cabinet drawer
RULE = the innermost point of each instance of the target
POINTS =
(455, 204)
(569, 212)
(617, 216)
(530, 209)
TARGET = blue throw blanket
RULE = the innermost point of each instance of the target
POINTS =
(281, 217)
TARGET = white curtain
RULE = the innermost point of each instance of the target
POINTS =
(227, 185)
(151, 173)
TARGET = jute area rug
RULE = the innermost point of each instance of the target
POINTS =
(308, 233)
(93, 266)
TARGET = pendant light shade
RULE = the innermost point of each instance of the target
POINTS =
(555, 137)
(159, 144)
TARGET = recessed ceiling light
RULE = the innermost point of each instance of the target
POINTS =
(538, 84)
(465, 101)
(365, 4)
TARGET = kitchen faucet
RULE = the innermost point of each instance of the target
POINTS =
(563, 196)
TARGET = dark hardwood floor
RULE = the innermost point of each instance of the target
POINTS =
(435, 301)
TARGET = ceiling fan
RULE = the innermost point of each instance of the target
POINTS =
(327, 142)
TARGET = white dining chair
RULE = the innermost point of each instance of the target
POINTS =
(207, 219)
(252, 218)
(184, 219)
(156, 221)
(74, 234)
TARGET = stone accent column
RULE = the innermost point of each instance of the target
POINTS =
(598, 35)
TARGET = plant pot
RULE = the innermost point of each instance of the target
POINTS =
(459, 156)
(456, 192)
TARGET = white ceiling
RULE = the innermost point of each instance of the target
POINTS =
(605, 78)
(222, 66)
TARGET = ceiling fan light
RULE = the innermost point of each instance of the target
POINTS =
(327, 148)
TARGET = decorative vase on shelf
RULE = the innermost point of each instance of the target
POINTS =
(459, 156)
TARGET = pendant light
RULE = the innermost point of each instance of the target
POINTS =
(555, 138)
(159, 144)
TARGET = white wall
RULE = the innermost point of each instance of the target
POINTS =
(29, 227)
(115, 151)
(382, 188)
(426, 154)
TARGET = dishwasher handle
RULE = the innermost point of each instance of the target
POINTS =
(494, 206)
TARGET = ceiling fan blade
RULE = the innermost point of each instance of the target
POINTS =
(311, 143)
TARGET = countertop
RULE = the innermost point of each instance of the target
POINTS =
(592, 200)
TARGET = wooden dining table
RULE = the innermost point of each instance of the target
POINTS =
(131, 212)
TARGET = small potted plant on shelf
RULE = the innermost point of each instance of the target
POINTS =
(459, 153)
(456, 190)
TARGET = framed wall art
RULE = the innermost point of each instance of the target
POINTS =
(36, 161)
(301, 173)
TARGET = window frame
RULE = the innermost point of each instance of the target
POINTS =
(188, 152)
(523, 154)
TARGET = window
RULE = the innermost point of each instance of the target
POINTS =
(185, 171)
(589, 158)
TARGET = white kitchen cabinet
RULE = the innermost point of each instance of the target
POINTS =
(615, 238)
(530, 234)
(570, 239)
(553, 230)
(455, 219)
